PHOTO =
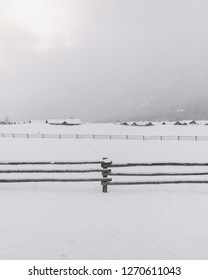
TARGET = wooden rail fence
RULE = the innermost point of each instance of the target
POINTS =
(106, 169)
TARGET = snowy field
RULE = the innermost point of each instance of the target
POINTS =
(78, 221)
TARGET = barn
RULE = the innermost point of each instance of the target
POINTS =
(178, 123)
(70, 121)
(193, 122)
(149, 124)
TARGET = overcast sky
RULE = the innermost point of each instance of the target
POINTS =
(92, 58)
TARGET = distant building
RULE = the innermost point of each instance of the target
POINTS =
(125, 123)
(192, 122)
(5, 122)
(178, 123)
(70, 121)
(134, 123)
(163, 123)
(149, 124)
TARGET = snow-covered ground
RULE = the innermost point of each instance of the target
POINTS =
(78, 221)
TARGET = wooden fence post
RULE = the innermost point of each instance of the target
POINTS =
(105, 164)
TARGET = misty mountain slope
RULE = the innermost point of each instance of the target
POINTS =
(196, 108)
(174, 98)
(181, 97)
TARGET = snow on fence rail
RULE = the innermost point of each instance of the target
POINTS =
(109, 176)
(104, 136)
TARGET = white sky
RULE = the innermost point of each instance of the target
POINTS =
(98, 59)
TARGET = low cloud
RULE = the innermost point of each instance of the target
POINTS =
(100, 59)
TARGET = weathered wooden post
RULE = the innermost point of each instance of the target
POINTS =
(105, 164)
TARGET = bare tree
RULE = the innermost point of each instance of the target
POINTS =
(7, 120)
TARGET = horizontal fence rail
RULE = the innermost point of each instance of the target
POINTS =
(50, 171)
(159, 182)
(157, 174)
(107, 175)
(104, 136)
(160, 164)
(48, 162)
(53, 180)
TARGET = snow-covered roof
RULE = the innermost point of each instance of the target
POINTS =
(64, 121)
(178, 123)
(193, 122)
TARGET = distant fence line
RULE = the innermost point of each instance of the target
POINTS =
(103, 136)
